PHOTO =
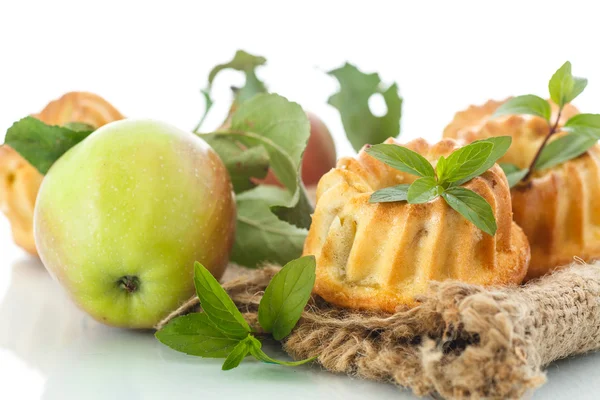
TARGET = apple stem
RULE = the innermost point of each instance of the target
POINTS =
(129, 283)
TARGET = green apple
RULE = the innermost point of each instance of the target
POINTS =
(121, 218)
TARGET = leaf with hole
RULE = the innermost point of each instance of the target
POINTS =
(390, 194)
(352, 102)
(473, 207)
(402, 159)
(286, 296)
(528, 104)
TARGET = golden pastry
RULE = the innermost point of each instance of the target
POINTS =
(379, 256)
(557, 208)
(20, 181)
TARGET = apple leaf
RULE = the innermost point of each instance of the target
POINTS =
(40, 144)
(196, 334)
(260, 236)
(217, 304)
(281, 127)
(352, 102)
(243, 62)
(241, 163)
(286, 296)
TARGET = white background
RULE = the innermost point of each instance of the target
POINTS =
(151, 58)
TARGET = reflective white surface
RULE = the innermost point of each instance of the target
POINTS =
(51, 350)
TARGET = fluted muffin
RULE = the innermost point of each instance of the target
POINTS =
(380, 256)
(557, 207)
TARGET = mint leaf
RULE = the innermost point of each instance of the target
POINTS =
(564, 87)
(256, 351)
(237, 355)
(241, 163)
(588, 124)
(217, 304)
(243, 62)
(473, 207)
(527, 104)
(423, 190)
(286, 296)
(390, 194)
(402, 159)
(501, 145)
(79, 127)
(564, 149)
(513, 173)
(260, 236)
(352, 101)
(282, 128)
(197, 335)
(40, 144)
(465, 162)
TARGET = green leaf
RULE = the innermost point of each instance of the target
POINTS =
(217, 304)
(465, 162)
(79, 127)
(527, 104)
(473, 207)
(40, 144)
(390, 194)
(286, 296)
(564, 87)
(237, 355)
(260, 236)
(563, 149)
(197, 335)
(259, 354)
(243, 62)
(513, 173)
(282, 129)
(352, 101)
(501, 146)
(423, 190)
(242, 164)
(588, 124)
(402, 159)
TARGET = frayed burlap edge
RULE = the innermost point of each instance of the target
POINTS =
(461, 341)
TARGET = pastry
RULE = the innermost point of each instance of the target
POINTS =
(380, 256)
(556, 208)
(20, 181)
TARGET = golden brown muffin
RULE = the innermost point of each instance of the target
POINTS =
(20, 181)
(379, 256)
(557, 208)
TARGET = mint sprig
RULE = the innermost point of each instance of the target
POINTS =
(583, 130)
(220, 330)
(459, 167)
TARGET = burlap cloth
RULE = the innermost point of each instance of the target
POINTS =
(462, 341)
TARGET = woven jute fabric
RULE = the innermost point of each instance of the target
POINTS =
(461, 341)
